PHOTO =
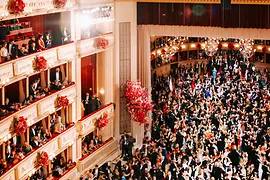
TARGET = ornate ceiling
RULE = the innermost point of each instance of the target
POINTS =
(264, 2)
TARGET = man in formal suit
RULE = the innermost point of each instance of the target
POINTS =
(32, 48)
(86, 102)
(33, 132)
(57, 75)
(35, 143)
(12, 49)
(124, 144)
(94, 103)
(31, 41)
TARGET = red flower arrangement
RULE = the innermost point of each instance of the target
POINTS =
(44, 159)
(199, 46)
(102, 121)
(62, 101)
(163, 51)
(21, 125)
(230, 46)
(138, 102)
(173, 58)
(41, 63)
(264, 49)
(102, 42)
(219, 46)
(60, 3)
(16, 6)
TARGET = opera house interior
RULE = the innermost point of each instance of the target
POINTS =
(135, 90)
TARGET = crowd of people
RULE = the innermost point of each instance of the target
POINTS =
(90, 144)
(16, 148)
(36, 92)
(210, 121)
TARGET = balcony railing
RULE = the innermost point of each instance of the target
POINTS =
(70, 173)
(88, 46)
(17, 69)
(109, 146)
(37, 110)
(87, 123)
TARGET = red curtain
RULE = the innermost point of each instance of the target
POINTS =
(12, 92)
(88, 75)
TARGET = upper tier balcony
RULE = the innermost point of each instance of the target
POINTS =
(93, 45)
(23, 67)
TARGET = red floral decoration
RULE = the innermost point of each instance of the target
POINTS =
(102, 42)
(41, 63)
(102, 121)
(173, 58)
(230, 46)
(138, 102)
(44, 159)
(219, 46)
(199, 46)
(62, 101)
(163, 51)
(60, 3)
(264, 49)
(16, 6)
(21, 125)
(153, 57)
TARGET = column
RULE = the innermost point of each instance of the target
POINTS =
(126, 64)
(3, 95)
(78, 80)
(105, 80)
(79, 148)
(27, 87)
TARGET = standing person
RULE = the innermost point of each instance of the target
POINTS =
(94, 103)
(57, 75)
(40, 43)
(86, 103)
(124, 144)
(4, 53)
(12, 49)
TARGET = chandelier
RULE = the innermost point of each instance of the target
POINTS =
(172, 46)
(211, 46)
(246, 47)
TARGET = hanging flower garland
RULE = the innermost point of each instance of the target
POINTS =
(41, 63)
(60, 3)
(44, 159)
(101, 42)
(16, 6)
(62, 101)
(102, 121)
(21, 125)
(138, 102)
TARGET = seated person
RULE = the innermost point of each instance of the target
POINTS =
(50, 177)
(3, 166)
(35, 143)
(32, 48)
(9, 106)
(92, 146)
(57, 171)
(100, 139)
(63, 164)
(56, 85)
(85, 151)
(26, 148)
(24, 50)
(70, 164)
(28, 100)
(3, 112)
(47, 90)
(47, 134)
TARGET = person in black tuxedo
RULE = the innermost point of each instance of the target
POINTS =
(94, 103)
(124, 144)
(57, 75)
(12, 49)
(35, 143)
(33, 132)
(32, 48)
(31, 41)
(86, 101)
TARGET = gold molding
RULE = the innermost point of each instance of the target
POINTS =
(258, 2)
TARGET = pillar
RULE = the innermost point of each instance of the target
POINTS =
(126, 64)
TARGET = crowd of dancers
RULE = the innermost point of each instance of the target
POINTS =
(210, 122)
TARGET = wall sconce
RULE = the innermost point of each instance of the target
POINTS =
(192, 45)
(259, 47)
(237, 45)
(102, 91)
(183, 46)
(225, 45)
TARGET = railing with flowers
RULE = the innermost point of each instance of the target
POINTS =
(34, 112)
(87, 124)
(23, 67)
(95, 44)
